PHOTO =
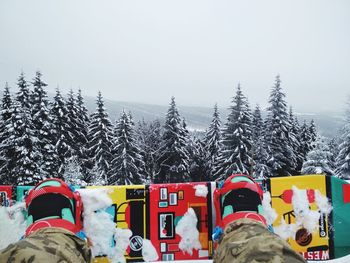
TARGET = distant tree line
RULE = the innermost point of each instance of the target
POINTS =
(42, 138)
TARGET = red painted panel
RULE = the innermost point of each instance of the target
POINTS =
(5, 195)
(169, 202)
(346, 193)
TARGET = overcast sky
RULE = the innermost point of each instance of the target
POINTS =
(196, 50)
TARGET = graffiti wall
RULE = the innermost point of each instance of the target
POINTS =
(153, 211)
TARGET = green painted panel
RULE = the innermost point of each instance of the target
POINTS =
(341, 219)
(21, 191)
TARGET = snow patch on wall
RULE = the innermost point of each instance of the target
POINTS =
(187, 230)
(98, 224)
(304, 216)
(100, 229)
(285, 230)
(201, 190)
(121, 238)
(269, 213)
(95, 199)
(323, 203)
(13, 225)
(149, 253)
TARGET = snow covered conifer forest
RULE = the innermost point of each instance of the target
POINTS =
(43, 137)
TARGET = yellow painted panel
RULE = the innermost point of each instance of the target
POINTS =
(319, 239)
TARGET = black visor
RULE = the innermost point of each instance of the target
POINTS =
(48, 205)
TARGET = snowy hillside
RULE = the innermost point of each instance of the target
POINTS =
(198, 118)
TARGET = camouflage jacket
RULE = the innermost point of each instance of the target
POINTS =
(249, 241)
(51, 245)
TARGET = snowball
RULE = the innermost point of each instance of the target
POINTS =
(201, 190)
(187, 230)
(269, 213)
(322, 203)
(12, 224)
(149, 253)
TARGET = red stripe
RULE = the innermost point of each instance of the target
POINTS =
(346, 193)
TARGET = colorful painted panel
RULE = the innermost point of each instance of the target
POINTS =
(169, 202)
(315, 246)
(129, 211)
(341, 216)
(5, 195)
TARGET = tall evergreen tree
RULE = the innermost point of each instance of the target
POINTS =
(212, 143)
(313, 133)
(236, 154)
(295, 142)
(199, 167)
(62, 132)
(261, 170)
(281, 159)
(73, 120)
(318, 159)
(305, 140)
(7, 104)
(149, 139)
(100, 139)
(128, 166)
(82, 134)
(257, 125)
(260, 154)
(24, 94)
(173, 159)
(82, 111)
(333, 148)
(342, 159)
(26, 157)
(6, 145)
(43, 128)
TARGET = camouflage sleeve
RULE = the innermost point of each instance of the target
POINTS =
(247, 240)
(50, 245)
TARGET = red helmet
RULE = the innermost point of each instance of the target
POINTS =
(53, 203)
(229, 185)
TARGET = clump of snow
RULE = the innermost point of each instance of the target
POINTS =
(121, 238)
(187, 230)
(149, 253)
(322, 203)
(95, 199)
(100, 229)
(201, 190)
(285, 230)
(98, 224)
(304, 216)
(269, 213)
(12, 224)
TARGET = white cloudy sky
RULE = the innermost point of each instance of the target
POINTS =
(195, 50)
